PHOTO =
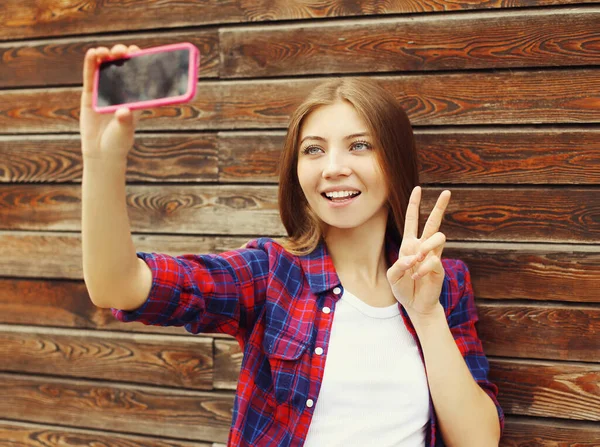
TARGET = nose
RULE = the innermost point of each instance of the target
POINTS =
(336, 165)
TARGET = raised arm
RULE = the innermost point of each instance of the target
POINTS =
(113, 274)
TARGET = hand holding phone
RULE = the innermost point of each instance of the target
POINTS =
(106, 135)
(147, 78)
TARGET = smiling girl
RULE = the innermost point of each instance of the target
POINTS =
(354, 330)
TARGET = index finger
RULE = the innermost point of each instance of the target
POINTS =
(411, 220)
(89, 67)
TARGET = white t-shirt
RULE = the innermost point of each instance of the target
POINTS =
(374, 390)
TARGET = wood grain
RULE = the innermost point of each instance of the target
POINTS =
(60, 61)
(36, 435)
(61, 252)
(561, 390)
(523, 214)
(56, 303)
(165, 412)
(180, 362)
(20, 19)
(483, 214)
(153, 158)
(513, 39)
(567, 96)
(538, 432)
(540, 331)
(228, 362)
(447, 156)
(525, 271)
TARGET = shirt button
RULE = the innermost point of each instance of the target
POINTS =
(337, 290)
(326, 310)
(310, 403)
(319, 351)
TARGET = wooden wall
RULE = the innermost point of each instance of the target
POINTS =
(505, 99)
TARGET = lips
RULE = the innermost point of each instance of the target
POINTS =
(341, 199)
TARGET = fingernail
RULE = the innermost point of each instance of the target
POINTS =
(415, 276)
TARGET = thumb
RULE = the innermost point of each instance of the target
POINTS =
(120, 130)
(124, 116)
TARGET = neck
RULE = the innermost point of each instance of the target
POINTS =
(359, 253)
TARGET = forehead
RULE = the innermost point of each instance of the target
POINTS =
(332, 121)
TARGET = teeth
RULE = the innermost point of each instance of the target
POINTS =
(338, 194)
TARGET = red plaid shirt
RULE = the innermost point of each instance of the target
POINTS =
(280, 307)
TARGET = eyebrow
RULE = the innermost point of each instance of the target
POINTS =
(354, 135)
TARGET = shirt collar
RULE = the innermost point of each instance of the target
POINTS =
(320, 271)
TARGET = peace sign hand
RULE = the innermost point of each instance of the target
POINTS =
(417, 276)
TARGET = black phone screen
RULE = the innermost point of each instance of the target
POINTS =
(143, 78)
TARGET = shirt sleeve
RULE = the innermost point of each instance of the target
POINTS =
(462, 319)
(205, 293)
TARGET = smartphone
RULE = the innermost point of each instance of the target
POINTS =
(147, 78)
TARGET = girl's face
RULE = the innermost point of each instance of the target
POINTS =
(338, 169)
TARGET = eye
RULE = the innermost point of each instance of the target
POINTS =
(365, 144)
(309, 150)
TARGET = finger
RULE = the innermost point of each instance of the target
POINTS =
(434, 221)
(102, 53)
(133, 48)
(433, 264)
(411, 221)
(89, 67)
(435, 241)
(118, 50)
(400, 267)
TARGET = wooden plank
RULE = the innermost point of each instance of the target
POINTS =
(57, 159)
(23, 19)
(60, 61)
(484, 214)
(536, 272)
(498, 271)
(523, 214)
(38, 435)
(540, 331)
(535, 388)
(161, 360)
(228, 361)
(538, 432)
(151, 411)
(513, 39)
(177, 209)
(447, 156)
(566, 96)
(61, 304)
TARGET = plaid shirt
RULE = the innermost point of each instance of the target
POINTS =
(280, 307)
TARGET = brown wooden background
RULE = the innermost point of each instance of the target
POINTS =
(505, 99)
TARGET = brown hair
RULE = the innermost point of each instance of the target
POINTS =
(395, 149)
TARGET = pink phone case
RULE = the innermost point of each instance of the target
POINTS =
(192, 79)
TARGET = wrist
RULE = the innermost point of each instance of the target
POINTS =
(431, 318)
(100, 162)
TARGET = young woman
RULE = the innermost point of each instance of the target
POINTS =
(354, 331)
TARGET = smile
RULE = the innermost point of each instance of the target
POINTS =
(336, 202)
